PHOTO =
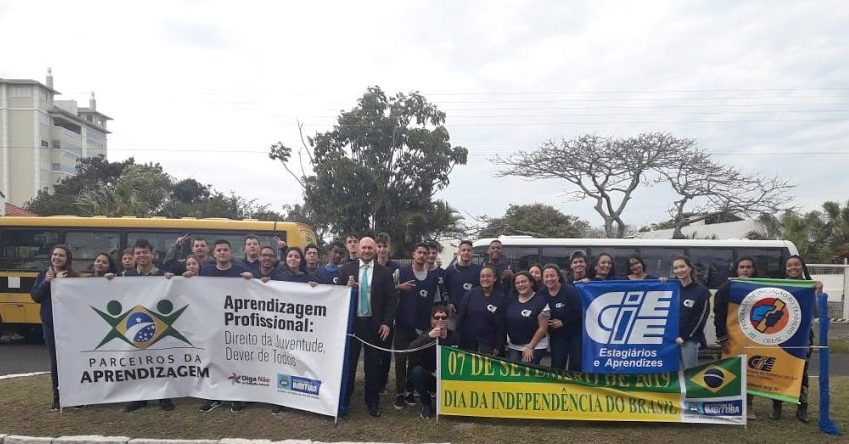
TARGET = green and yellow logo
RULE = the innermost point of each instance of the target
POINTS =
(140, 326)
(713, 380)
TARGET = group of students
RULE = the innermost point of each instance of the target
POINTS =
(519, 315)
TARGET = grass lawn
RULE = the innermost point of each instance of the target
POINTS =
(24, 403)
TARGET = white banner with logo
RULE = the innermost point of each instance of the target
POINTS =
(230, 339)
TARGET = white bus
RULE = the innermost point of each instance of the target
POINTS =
(713, 259)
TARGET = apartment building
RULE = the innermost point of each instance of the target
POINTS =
(41, 138)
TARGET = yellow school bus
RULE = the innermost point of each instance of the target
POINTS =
(26, 243)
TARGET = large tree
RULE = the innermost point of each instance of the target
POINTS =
(538, 220)
(707, 188)
(603, 169)
(378, 169)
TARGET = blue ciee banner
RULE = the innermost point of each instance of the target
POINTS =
(630, 326)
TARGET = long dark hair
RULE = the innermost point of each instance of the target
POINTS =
(557, 270)
(528, 276)
(639, 259)
(746, 258)
(69, 259)
(805, 274)
(112, 267)
(497, 282)
(689, 264)
(302, 266)
(611, 274)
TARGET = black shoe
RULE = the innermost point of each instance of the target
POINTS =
(55, 405)
(410, 399)
(209, 406)
(166, 405)
(802, 412)
(399, 403)
(776, 410)
(374, 411)
(277, 409)
(426, 411)
(237, 406)
(135, 405)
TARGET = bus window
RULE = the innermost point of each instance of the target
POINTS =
(26, 249)
(556, 255)
(768, 260)
(659, 259)
(521, 258)
(713, 265)
(85, 245)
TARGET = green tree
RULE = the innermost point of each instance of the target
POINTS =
(378, 169)
(139, 191)
(538, 220)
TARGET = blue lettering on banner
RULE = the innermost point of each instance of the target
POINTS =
(718, 408)
(298, 384)
(630, 326)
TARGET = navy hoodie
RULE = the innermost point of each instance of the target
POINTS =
(480, 319)
(414, 306)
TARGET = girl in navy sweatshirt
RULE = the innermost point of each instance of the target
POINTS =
(480, 319)
(693, 311)
(565, 330)
(61, 266)
(526, 322)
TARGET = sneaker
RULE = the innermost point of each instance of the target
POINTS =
(426, 411)
(209, 406)
(277, 409)
(410, 399)
(750, 415)
(399, 403)
(135, 405)
(237, 406)
(166, 405)
(55, 405)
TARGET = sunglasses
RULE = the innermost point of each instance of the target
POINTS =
(440, 318)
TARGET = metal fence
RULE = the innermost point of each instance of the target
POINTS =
(835, 279)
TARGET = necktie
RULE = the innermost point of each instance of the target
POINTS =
(365, 293)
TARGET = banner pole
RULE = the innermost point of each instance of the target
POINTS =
(437, 396)
(826, 425)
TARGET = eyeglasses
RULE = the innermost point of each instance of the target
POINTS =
(440, 318)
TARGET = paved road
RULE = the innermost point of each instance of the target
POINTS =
(16, 358)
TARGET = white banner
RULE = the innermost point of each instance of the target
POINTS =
(138, 338)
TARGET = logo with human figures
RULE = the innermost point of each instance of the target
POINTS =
(141, 327)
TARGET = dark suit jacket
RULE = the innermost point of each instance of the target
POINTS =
(384, 297)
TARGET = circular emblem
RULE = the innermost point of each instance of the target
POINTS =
(491, 308)
(467, 286)
(714, 377)
(140, 327)
(526, 313)
(769, 316)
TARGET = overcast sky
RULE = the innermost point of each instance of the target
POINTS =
(205, 87)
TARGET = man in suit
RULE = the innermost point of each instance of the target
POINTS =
(374, 294)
